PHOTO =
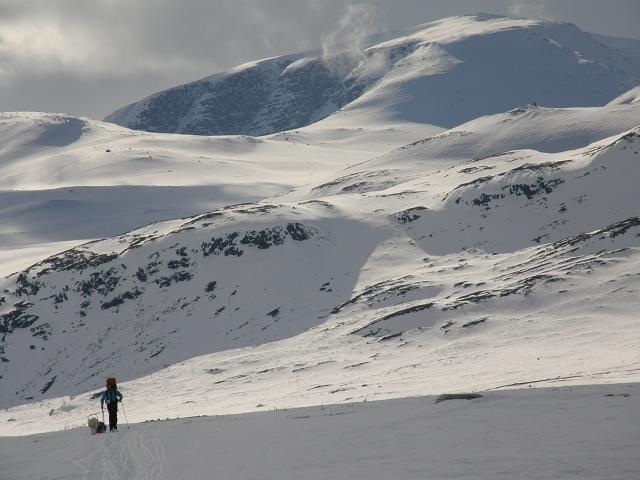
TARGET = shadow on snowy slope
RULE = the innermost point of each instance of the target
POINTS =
(237, 277)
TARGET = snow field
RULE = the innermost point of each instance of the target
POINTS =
(585, 432)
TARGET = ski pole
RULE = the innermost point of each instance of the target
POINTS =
(125, 414)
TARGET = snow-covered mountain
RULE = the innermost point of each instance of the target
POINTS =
(442, 73)
(66, 180)
(517, 267)
(435, 231)
(431, 221)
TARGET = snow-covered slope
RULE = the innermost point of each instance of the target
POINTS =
(517, 268)
(629, 47)
(65, 180)
(549, 130)
(442, 73)
(203, 270)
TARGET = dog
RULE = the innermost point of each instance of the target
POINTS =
(96, 426)
(93, 425)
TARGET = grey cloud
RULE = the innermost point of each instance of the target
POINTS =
(116, 51)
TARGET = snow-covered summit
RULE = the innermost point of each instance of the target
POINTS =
(442, 73)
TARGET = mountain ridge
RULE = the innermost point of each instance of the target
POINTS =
(432, 64)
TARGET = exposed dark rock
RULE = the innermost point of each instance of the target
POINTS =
(74, 259)
(261, 239)
(264, 239)
(389, 337)
(537, 167)
(345, 180)
(102, 282)
(47, 385)
(613, 230)
(141, 275)
(479, 168)
(158, 352)
(60, 297)
(523, 286)
(531, 190)
(484, 199)
(409, 215)
(182, 263)
(26, 286)
(258, 100)
(43, 331)
(476, 182)
(447, 326)
(218, 245)
(17, 318)
(622, 227)
(398, 313)
(353, 366)
(474, 322)
(175, 278)
(206, 216)
(318, 202)
(381, 288)
(299, 232)
(120, 299)
(457, 396)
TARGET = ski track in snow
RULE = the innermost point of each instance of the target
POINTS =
(568, 433)
(124, 455)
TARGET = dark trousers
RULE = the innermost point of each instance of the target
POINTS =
(112, 407)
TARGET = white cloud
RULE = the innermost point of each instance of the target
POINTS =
(41, 42)
(44, 45)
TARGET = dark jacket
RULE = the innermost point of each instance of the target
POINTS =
(110, 395)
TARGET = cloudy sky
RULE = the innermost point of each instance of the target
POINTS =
(90, 57)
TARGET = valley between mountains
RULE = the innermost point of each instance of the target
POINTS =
(392, 239)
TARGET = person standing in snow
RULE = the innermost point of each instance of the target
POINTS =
(111, 396)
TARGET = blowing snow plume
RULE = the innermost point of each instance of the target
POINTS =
(346, 46)
(528, 8)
